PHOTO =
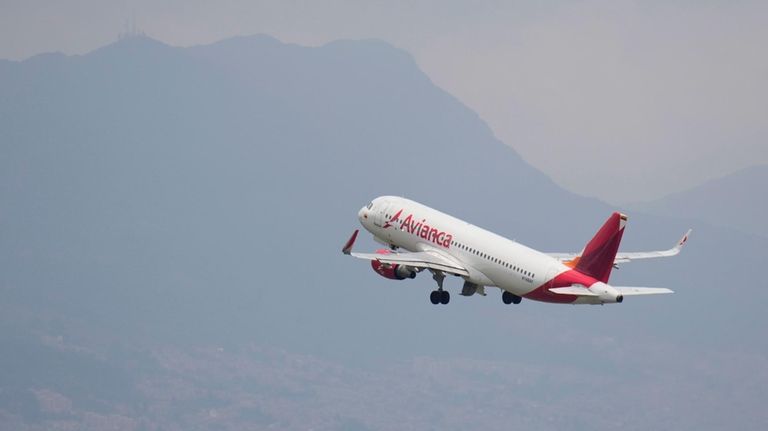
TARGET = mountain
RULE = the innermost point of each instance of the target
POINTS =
(735, 200)
(171, 226)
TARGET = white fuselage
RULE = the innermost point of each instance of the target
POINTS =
(491, 260)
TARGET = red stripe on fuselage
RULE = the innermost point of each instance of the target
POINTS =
(564, 279)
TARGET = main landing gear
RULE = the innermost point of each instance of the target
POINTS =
(510, 298)
(439, 296)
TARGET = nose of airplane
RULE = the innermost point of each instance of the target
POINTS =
(362, 215)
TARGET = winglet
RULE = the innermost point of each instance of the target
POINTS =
(350, 242)
(683, 240)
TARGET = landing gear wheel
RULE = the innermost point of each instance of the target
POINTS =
(445, 297)
(510, 298)
(434, 297)
(506, 297)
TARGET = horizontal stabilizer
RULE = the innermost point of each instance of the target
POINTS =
(624, 290)
(573, 290)
(634, 291)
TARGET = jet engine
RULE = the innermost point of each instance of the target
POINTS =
(390, 270)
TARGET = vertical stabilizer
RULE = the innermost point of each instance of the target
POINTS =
(597, 258)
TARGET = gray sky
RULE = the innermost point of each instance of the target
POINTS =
(623, 100)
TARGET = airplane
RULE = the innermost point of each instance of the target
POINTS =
(420, 238)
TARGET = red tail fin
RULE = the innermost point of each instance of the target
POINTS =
(597, 258)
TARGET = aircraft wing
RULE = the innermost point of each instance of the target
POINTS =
(422, 259)
(623, 257)
(431, 259)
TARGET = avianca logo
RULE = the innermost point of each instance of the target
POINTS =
(420, 229)
(392, 220)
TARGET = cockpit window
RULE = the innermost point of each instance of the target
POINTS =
(370, 205)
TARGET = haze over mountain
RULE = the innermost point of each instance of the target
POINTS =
(171, 222)
(624, 100)
(736, 200)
